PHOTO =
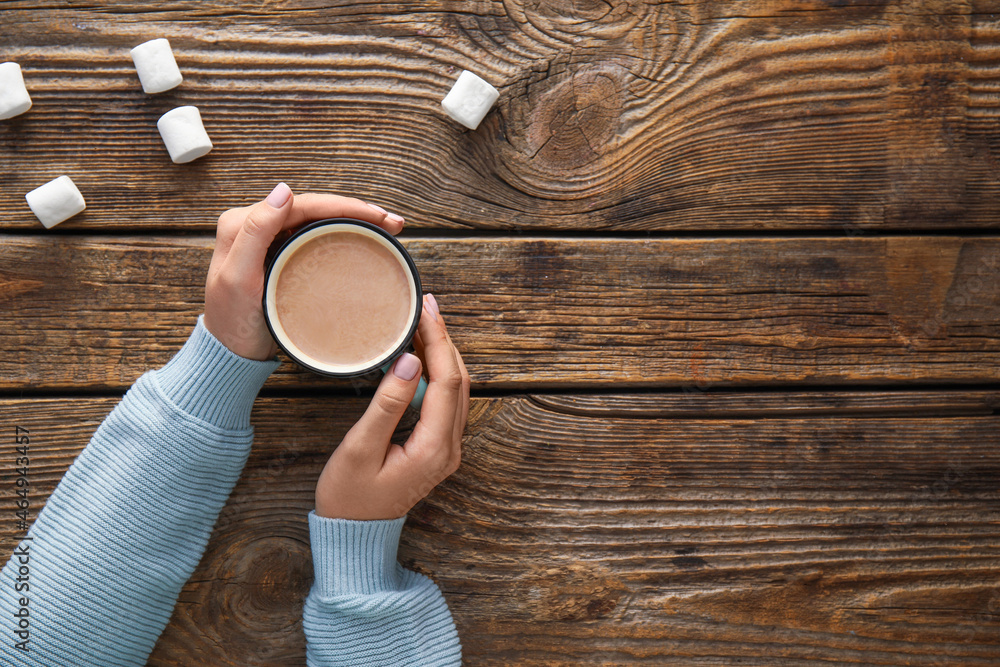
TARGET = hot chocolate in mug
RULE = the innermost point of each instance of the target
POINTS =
(342, 298)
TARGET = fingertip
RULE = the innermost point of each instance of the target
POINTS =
(378, 209)
(407, 367)
(391, 222)
(431, 307)
(280, 195)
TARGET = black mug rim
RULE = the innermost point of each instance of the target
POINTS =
(410, 265)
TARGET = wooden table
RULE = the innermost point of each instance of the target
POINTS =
(724, 274)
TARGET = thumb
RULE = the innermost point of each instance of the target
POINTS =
(374, 430)
(264, 221)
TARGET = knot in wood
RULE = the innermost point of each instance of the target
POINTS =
(272, 573)
(574, 121)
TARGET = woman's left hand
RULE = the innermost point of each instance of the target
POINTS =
(235, 285)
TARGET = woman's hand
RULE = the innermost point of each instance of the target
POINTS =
(368, 478)
(235, 284)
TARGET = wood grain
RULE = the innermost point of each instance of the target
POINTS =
(96, 312)
(769, 461)
(628, 535)
(742, 115)
(693, 402)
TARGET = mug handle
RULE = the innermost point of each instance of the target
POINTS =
(418, 398)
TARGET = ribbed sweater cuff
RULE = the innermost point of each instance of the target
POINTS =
(209, 381)
(354, 557)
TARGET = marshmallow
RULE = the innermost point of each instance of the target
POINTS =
(155, 64)
(56, 201)
(469, 100)
(183, 134)
(14, 98)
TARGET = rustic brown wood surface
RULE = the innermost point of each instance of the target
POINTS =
(557, 313)
(839, 527)
(724, 274)
(744, 115)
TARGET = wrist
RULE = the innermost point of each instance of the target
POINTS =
(250, 339)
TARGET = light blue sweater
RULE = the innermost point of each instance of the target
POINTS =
(106, 559)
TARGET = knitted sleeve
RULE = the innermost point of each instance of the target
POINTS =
(365, 608)
(100, 570)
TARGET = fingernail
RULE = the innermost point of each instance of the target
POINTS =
(279, 196)
(388, 216)
(407, 366)
(432, 306)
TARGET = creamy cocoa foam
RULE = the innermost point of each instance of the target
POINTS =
(343, 299)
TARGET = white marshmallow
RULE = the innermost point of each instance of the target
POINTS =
(155, 64)
(56, 201)
(183, 134)
(469, 100)
(14, 98)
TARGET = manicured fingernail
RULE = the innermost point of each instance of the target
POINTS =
(279, 196)
(388, 216)
(407, 367)
(432, 306)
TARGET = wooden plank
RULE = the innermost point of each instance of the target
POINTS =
(95, 312)
(749, 115)
(570, 539)
(697, 403)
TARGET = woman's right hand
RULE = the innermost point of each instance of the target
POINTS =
(369, 478)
